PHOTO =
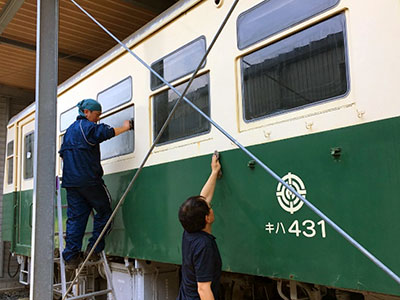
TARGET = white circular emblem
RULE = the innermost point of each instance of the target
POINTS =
(287, 200)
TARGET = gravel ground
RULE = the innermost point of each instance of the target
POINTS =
(14, 295)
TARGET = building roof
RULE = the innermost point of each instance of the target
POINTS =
(80, 40)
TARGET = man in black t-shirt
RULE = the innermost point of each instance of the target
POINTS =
(201, 261)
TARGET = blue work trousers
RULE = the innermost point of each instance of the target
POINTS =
(81, 202)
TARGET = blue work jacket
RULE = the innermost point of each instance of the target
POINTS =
(80, 152)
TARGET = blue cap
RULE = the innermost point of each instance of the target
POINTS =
(89, 104)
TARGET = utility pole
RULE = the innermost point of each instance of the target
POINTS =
(44, 186)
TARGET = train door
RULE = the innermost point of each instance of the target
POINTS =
(10, 186)
(25, 186)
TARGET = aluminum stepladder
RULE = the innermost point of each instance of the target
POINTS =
(61, 288)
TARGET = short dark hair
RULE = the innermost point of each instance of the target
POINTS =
(192, 213)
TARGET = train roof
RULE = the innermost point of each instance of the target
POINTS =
(22, 113)
(154, 25)
(164, 18)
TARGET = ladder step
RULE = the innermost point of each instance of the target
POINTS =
(93, 263)
(59, 292)
(59, 284)
(90, 294)
(88, 264)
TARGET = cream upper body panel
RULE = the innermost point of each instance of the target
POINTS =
(372, 53)
(373, 64)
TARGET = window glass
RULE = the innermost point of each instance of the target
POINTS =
(10, 162)
(272, 16)
(68, 117)
(116, 95)
(10, 148)
(10, 170)
(304, 68)
(186, 122)
(179, 63)
(123, 143)
(28, 156)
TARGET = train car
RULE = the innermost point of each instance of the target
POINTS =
(309, 87)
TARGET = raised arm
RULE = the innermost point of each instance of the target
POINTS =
(208, 189)
(127, 125)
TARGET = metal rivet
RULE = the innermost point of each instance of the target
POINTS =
(309, 125)
(251, 164)
(336, 152)
(360, 113)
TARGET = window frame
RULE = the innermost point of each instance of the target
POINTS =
(279, 31)
(289, 113)
(165, 89)
(114, 85)
(64, 112)
(114, 111)
(8, 158)
(163, 85)
(32, 132)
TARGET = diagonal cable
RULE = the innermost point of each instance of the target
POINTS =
(338, 229)
(181, 96)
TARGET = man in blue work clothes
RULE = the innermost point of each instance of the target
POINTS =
(82, 178)
(201, 261)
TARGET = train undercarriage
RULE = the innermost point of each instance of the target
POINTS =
(144, 280)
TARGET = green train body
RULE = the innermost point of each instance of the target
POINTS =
(349, 170)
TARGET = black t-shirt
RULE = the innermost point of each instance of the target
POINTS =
(201, 262)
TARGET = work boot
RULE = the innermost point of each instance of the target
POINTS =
(94, 257)
(74, 262)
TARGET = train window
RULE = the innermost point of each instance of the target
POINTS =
(186, 122)
(179, 63)
(116, 95)
(123, 143)
(68, 117)
(305, 68)
(272, 16)
(10, 148)
(10, 162)
(28, 156)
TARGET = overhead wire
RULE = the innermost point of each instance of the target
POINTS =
(338, 229)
